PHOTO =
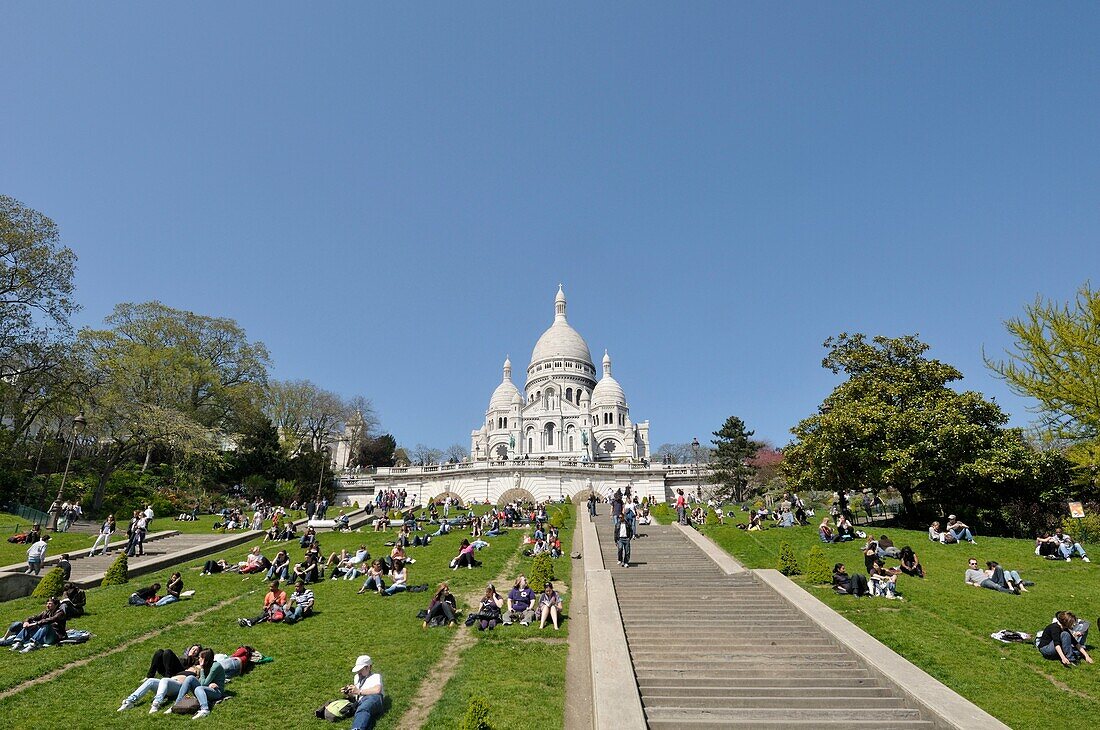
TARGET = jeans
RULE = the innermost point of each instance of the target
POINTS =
(166, 600)
(367, 711)
(374, 582)
(395, 588)
(1067, 552)
(987, 583)
(42, 635)
(105, 538)
(623, 551)
(205, 695)
(1066, 640)
(280, 572)
(681, 515)
(162, 686)
(591, 509)
(295, 614)
(34, 566)
(963, 534)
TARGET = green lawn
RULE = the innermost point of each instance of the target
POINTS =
(312, 659)
(943, 625)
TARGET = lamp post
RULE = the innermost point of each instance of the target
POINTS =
(698, 480)
(79, 422)
(324, 452)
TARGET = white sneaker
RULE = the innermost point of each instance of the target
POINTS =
(154, 708)
(31, 646)
(1084, 559)
(200, 713)
(169, 710)
(16, 646)
(126, 705)
(1068, 559)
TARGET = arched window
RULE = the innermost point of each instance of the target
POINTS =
(569, 394)
(549, 434)
(506, 421)
(570, 443)
(530, 445)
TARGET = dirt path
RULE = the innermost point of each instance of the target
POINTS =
(431, 688)
(121, 647)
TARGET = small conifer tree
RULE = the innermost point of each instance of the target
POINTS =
(542, 572)
(477, 715)
(118, 573)
(817, 566)
(50, 585)
(788, 563)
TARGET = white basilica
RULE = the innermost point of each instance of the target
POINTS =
(564, 411)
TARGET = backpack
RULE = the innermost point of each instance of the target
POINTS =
(276, 614)
(336, 710)
(186, 706)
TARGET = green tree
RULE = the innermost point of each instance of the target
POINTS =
(1055, 359)
(730, 463)
(896, 422)
(377, 451)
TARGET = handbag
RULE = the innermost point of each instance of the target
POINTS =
(186, 706)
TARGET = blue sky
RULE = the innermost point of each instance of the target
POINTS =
(389, 196)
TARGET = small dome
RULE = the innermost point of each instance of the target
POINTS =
(506, 393)
(607, 392)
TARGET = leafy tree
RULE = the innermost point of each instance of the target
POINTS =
(36, 289)
(895, 422)
(258, 452)
(1056, 360)
(306, 414)
(731, 465)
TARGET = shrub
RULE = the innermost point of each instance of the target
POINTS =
(50, 585)
(788, 563)
(662, 513)
(118, 573)
(1083, 529)
(712, 517)
(477, 715)
(558, 519)
(541, 573)
(817, 566)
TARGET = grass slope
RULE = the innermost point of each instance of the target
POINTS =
(312, 659)
(943, 626)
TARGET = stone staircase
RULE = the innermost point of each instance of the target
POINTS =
(712, 650)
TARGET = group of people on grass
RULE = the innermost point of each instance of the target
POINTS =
(200, 672)
(48, 627)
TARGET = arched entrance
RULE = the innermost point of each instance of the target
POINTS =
(516, 493)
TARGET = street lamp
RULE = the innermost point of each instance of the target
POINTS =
(324, 452)
(79, 422)
(698, 480)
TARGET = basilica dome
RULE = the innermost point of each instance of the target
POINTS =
(506, 392)
(608, 392)
(561, 340)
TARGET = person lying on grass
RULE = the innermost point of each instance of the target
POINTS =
(274, 607)
(365, 691)
(42, 629)
(549, 606)
(145, 596)
(210, 567)
(300, 604)
(166, 663)
(254, 562)
(207, 684)
(1010, 579)
(981, 578)
(168, 686)
(850, 585)
(1058, 640)
(442, 608)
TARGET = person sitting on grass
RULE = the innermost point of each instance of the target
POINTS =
(280, 567)
(308, 538)
(210, 567)
(306, 570)
(73, 600)
(488, 612)
(374, 578)
(844, 529)
(465, 556)
(42, 629)
(274, 607)
(549, 606)
(300, 604)
(824, 531)
(365, 691)
(520, 603)
(254, 562)
(400, 575)
(1057, 641)
(960, 530)
(980, 578)
(935, 534)
(1067, 546)
(849, 585)
(1010, 579)
(442, 608)
(910, 564)
(1047, 546)
(173, 590)
(883, 580)
(786, 519)
(207, 684)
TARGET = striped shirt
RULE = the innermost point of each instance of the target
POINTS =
(303, 599)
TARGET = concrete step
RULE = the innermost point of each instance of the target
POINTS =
(766, 695)
(741, 673)
(710, 667)
(761, 684)
(880, 717)
(706, 722)
(854, 703)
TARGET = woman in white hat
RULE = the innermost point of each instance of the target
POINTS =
(365, 691)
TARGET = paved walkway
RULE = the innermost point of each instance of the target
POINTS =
(716, 650)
